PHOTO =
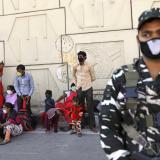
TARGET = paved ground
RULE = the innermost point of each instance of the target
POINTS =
(38, 145)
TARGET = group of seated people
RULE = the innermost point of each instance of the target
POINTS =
(71, 109)
(10, 124)
(14, 120)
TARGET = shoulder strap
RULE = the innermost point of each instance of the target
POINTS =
(134, 134)
(131, 75)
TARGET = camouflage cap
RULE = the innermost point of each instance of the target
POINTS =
(147, 15)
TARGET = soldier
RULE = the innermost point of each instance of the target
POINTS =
(130, 110)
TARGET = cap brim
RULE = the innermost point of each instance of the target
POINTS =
(146, 20)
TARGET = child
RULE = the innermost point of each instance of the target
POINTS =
(12, 125)
(50, 115)
(76, 116)
(12, 96)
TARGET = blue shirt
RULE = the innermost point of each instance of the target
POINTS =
(49, 103)
(24, 85)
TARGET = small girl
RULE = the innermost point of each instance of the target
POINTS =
(76, 116)
(11, 126)
(12, 96)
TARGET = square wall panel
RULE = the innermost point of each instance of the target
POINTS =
(31, 38)
(97, 15)
(103, 55)
(105, 51)
(19, 6)
(141, 5)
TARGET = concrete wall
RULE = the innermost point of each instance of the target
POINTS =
(45, 35)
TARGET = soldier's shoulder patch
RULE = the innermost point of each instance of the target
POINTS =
(117, 71)
(128, 68)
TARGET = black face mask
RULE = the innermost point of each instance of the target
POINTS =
(80, 59)
(151, 48)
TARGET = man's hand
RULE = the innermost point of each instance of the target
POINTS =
(28, 97)
(21, 96)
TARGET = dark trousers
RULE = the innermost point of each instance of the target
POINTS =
(2, 133)
(88, 96)
(20, 104)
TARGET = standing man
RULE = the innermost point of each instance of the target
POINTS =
(130, 128)
(24, 86)
(83, 74)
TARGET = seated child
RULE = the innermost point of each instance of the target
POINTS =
(11, 96)
(11, 126)
(50, 115)
(76, 116)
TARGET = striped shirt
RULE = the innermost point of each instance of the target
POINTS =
(113, 113)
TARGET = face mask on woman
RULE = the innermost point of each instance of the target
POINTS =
(73, 88)
(4, 110)
(9, 92)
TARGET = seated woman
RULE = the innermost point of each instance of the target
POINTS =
(65, 107)
(11, 126)
(11, 96)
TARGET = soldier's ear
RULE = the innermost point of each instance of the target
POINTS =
(137, 39)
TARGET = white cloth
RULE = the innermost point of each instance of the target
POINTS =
(16, 130)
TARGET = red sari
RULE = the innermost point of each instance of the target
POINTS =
(66, 107)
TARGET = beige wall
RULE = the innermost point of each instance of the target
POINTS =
(45, 35)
